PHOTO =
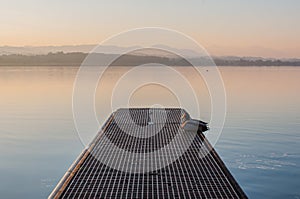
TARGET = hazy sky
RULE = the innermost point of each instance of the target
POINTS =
(225, 27)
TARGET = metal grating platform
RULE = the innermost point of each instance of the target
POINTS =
(192, 175)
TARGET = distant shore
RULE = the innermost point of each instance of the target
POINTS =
(76, 59)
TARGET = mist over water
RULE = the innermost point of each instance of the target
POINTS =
(259, 143)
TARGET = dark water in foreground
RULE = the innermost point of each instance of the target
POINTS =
(259, 144)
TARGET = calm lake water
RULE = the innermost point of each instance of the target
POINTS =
(260, 142)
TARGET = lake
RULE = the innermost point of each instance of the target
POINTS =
(259, 143)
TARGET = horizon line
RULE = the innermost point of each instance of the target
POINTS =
(93, 45)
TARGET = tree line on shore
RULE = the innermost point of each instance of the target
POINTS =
(76, 58)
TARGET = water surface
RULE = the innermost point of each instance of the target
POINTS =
(259, 143)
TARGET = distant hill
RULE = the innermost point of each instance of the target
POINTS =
(106, 49)
(76, 58)
(43, 50)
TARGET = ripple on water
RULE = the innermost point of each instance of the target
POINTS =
(272, 161)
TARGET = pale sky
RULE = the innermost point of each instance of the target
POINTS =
(268, 28)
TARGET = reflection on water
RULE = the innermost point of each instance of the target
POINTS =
(259, 143)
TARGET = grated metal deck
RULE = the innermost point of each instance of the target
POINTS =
(197, 173)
